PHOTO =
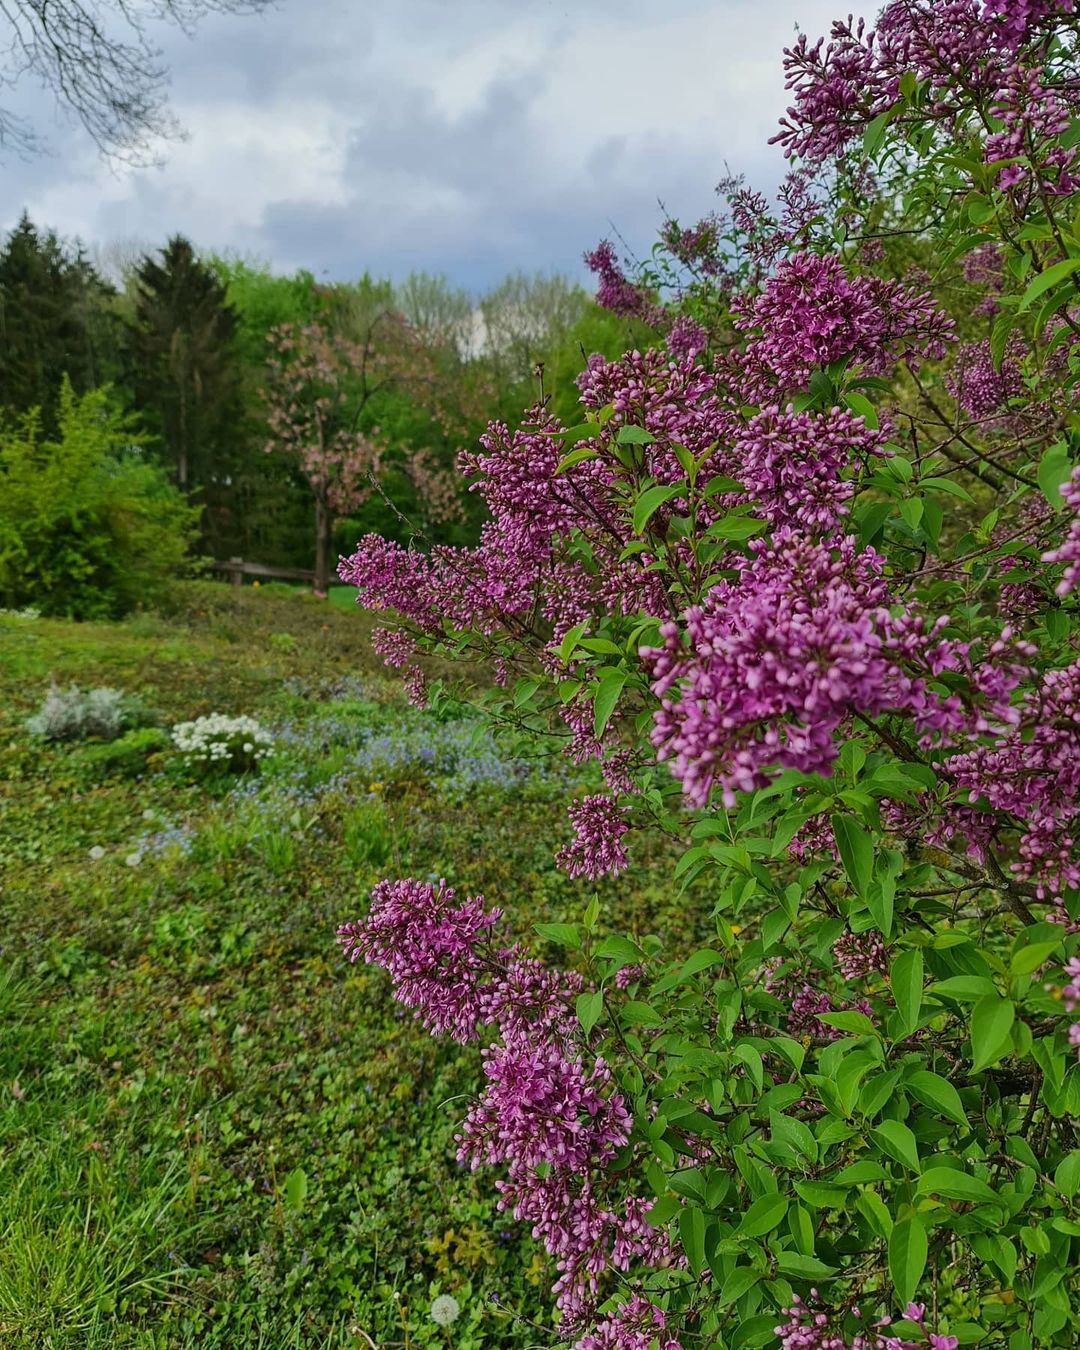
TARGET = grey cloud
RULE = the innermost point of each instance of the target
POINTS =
(407, 134)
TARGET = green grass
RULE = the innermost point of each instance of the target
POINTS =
(213, 1131)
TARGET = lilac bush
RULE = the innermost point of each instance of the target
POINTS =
(801, 584)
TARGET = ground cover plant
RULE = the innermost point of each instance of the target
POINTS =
(211, 1132)
(799, 580)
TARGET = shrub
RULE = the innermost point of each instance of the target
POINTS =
(803, 582)
(75, 714)
(88, 527)
(219, 743)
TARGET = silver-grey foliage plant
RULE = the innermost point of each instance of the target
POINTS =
(75, 714)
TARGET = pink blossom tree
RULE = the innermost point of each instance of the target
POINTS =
(321, 381)
(312, 412)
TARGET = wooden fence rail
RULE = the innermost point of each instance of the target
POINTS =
(238, 569)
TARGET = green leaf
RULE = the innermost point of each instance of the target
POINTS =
(856, 850)
(801, 1227)
(620, 948)
(582, 453)
(1028, 959)
(721, 483)
(894, 1138)
(634, 436)
(571, 638)
(801, 1267)
(589, 1006)
(861, 406)
(1045, 281)
(906, 978)
(874, 1209)
(965, 988)
(751, 1057)
(907, 1258)
(296, 1188)
(875, 131)
(525, 690)
(611, 686)
(954, 1185)
(701, 960)
(638, 1014)
(1054, 469)
(1067, 1174)
(651, 500)
(946, 485)
(735, 528)
(664, 1210)
(999, 336)
(859, 1173)
(880, 902)
(692, 1236)
(938, 1094)
(821, 1195)
(763, 1215)
(563, 934)
(737, 1283)
(856, 1022)
(991, 1030)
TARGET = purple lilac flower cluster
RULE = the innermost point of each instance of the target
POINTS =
(596, 849)
(548, 1112)
(981, 386)
(1033, 774)
(1070, 997)
(805, 1004)
(615, 291)
(860, 955)
(810, 1327)
(1032, 118)
(802, 640)
(811, 312)
(1069, 552)
(636, 1324)
(840, 87)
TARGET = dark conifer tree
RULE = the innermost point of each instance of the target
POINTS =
(57, 318)
(184, 368)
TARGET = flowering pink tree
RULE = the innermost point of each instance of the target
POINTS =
(801, 585)
(320, 382)
(312, 407)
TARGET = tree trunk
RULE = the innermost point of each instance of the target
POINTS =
(182, 454)
(322, 547)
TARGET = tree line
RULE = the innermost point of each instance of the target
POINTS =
(292, 415)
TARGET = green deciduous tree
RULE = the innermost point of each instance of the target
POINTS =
(88, 526)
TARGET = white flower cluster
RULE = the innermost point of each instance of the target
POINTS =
(222, 741)
(27, 613)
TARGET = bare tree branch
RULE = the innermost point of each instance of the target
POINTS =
(98, 60)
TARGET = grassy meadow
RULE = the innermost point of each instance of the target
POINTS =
(213, 1130)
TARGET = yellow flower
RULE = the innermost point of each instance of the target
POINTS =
(374, 787)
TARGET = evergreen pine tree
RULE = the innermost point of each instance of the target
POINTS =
(184, 367)
(56, 318)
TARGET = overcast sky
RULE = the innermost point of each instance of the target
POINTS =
(470, 137)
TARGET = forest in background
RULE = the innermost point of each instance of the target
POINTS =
(293, 415)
